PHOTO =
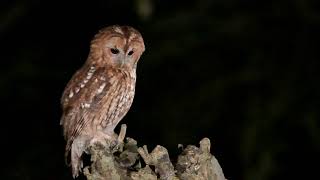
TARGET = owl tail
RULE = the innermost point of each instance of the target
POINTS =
(76, 147)
(66, 154)
(76, 163)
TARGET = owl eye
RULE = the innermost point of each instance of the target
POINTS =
(114, 51)
(130, 53)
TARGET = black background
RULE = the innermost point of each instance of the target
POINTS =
(243, 73)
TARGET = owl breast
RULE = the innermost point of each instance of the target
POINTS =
(116, 101)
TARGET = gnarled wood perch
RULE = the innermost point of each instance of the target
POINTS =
(123, 162)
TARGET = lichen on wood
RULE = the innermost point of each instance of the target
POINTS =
(123, 161)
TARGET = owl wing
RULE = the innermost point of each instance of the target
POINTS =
(81, 100)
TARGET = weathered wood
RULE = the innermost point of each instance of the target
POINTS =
(123, 162)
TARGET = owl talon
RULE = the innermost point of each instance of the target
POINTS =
(116, 146)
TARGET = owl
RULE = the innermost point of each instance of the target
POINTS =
(101, 92)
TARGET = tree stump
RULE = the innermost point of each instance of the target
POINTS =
(124, 160)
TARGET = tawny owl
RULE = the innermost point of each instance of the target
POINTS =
(101, 92)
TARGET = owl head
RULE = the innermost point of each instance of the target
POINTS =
(117, 46)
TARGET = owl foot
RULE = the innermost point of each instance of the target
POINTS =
(110, 139)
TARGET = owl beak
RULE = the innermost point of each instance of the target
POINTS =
(122, 61)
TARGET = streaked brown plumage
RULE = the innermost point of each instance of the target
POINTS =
(101, 92)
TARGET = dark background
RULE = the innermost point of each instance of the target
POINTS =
(243, 73)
